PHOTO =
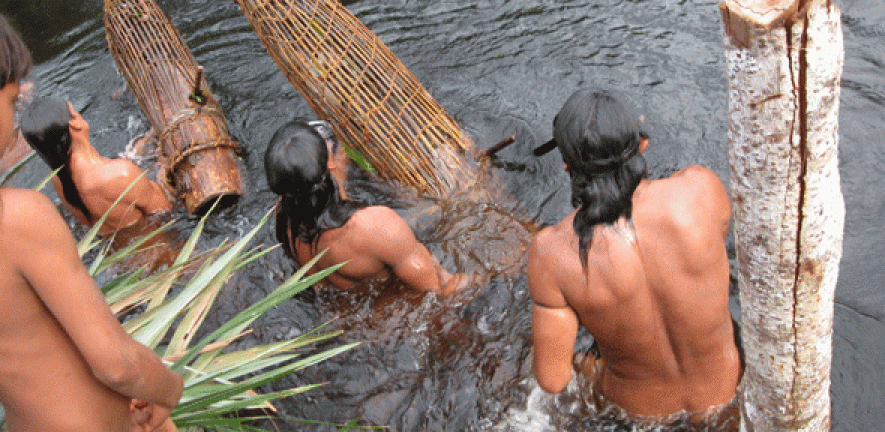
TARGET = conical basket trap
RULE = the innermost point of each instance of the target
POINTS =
(353, 81)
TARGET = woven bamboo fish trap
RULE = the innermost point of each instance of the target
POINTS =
(353, 81)
(196, 150)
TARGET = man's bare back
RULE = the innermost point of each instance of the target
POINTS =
(309, 172)
(99, 181)
(655, 298)
(640, 264)
(377, 243)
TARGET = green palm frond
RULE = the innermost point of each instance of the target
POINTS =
(16, 168)
(165, 309)
(220, 384)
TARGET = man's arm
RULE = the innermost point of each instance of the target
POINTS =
(69, 293)
(389, 239)
(554, 322)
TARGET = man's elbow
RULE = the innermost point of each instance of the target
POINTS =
(159, 203)
(117, 369)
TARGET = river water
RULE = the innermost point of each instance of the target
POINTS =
(501, 67)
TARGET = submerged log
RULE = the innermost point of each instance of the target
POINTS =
(198, 156)
(784, 61)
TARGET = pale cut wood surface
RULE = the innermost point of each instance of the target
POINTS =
(788, 214)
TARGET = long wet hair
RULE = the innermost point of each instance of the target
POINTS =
(599, 138)
(15, 59)
(45, 127)
(296, 167)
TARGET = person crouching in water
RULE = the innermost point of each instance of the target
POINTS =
(68, 364)
(87, 182)
(315, 215)
(642, 265)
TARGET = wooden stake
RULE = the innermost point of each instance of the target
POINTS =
(784, 62)
(197, 96)
(493, 150)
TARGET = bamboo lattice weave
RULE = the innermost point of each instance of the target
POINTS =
(353, 81)
(196, 150)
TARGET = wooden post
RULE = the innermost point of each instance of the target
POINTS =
(784, 61)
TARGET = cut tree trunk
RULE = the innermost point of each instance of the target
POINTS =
(784, 61)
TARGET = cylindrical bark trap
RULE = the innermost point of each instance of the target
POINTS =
(197, 154)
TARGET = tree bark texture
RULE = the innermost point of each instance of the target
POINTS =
(784, 75)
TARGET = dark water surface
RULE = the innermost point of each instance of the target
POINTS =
(500, 67)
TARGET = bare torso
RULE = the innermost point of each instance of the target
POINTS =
(655, 296)
(377, 243)
(100, 181)
(359, 273)
(34, 347)
(73, 400)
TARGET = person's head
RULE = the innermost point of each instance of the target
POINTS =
(15, 64)
(296, 166)
(46, 126)
(601, 143)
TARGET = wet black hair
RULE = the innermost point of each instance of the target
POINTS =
(45, 127)
(15, 59)
(295, 164)
(599, 137)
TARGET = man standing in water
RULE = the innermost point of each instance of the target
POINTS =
(315, 214)
(67, 362)
(88, 183)
(641, 264)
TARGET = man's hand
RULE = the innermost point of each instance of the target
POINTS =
(150, 417)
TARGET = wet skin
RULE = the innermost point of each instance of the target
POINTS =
(378, 243)
(68, 364)
(100, 181)
(655, 298)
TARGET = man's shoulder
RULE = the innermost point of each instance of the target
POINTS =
(543, 239)
(22, 204)
(372, 227)
(377, 218)
(558, 232)
(687, 201)
(113, 176)
(691, 178)
(688, 187)
(548, 261)
(697, 174)
(118, 168)
(27, 212)
(547, 244)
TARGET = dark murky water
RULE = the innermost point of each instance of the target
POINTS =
(500, 67)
